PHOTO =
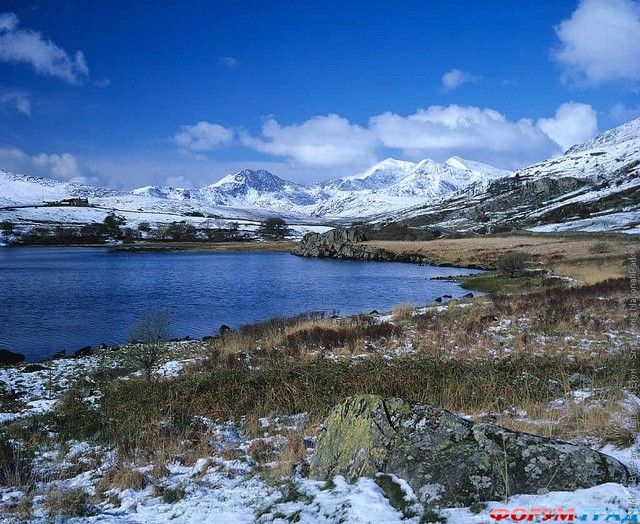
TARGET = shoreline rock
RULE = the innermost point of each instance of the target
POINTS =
(346, 244)
(10, 358)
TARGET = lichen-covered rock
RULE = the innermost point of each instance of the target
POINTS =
(448, 460)
(335, 243)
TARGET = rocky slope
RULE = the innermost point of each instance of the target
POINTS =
(594, 186)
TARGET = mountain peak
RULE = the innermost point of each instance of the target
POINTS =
(259, 179)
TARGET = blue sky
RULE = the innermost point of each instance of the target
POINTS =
(183, 93)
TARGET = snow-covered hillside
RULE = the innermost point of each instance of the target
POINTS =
(457, 194)
(593, 186)
(390, 185)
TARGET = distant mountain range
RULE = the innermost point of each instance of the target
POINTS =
(390, 185)
(593, 186)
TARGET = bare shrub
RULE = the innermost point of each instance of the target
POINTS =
(149, 337)
(15, 469)
(514, 264)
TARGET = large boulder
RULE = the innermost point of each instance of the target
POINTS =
(9, 358)
(448, 460)
(335, 243)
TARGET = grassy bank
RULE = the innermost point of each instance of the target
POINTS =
(589, 259)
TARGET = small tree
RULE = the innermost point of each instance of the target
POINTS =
(6, 227)
(144, 227)
(148, 336)
(112, 224)
(514, 264)
(273, 229)
(180, 232)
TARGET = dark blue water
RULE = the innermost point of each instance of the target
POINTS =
(65, 298)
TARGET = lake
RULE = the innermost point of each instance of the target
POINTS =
(55, 299)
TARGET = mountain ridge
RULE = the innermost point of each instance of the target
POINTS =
(457, 194)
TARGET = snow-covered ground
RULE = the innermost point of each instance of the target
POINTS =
(228, 484)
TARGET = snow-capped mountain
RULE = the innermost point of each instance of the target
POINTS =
(594, 186)
(578, 189)
(390, 185)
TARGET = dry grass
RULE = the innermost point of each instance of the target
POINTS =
(261, 450)
(122, 476)
(66, 503)
(591, 271)
(601, 418)
(299, 337)
(546, 251)
(292, 455)
(20, 511)
(402, 312)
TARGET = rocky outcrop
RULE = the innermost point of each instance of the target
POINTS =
(336, 243)
(9, 358)
(346, 244)
(448, 460)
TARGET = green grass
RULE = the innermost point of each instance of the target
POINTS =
(131, 410)
(496, 283)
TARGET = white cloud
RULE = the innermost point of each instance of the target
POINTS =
(46, 58)
(436, 131)
(600, 42)
(454, 78)
(64, 166)
(620, 113)
(479, 133)
(572, 124)
(203, 136)
(227, 61)
(15, 100)
(11, 156)
(326, 141)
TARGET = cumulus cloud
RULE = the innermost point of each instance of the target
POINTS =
(332, 141)
(572, 124)
(600, 42)
(480, 133)
(15, 100)
(203, 136)
(30, 47)
(227, 61)
(454, 78)
(326, 141)
(64, 166)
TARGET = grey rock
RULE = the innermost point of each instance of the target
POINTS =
(336, 243)
(448, 460)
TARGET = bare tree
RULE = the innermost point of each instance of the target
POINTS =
(148, 336)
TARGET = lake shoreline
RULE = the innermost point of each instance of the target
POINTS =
(166, 247)
(68, 299)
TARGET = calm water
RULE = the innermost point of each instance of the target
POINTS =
(66, 298)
